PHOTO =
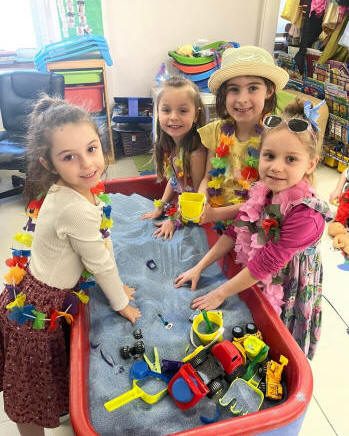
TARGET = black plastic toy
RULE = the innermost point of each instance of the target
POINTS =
(136, 351)
(151, 264)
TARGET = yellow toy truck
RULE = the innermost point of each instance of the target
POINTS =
(273, 374)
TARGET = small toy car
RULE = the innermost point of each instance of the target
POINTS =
(204, 374)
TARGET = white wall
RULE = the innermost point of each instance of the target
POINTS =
(141, 32)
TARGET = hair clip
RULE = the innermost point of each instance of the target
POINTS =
(312, 113)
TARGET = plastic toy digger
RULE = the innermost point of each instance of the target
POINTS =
(273, 375)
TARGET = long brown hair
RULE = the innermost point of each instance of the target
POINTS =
(164, 144)
(269, 104)
(48, 114)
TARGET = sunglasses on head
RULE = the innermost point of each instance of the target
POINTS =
(296, 125)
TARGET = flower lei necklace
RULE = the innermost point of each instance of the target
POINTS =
(17, 309)
(220, 164)
(177, 162)
(260, 222)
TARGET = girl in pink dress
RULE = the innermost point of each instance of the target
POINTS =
(277, 230)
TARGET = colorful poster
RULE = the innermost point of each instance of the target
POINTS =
(80, 17)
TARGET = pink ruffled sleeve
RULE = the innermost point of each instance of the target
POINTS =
(301, 228)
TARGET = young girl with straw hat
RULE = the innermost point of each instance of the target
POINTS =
(245, 87)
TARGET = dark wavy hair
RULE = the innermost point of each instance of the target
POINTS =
(48, 114)
(164, 144)
(269, 105)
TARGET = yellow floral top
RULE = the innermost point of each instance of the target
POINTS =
(235, 164)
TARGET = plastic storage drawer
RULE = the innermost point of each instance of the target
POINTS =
(282, 419)
(90, 97)
(79, 77)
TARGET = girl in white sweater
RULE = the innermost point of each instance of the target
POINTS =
(65, 163)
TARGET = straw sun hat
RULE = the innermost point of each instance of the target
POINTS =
(247, 61)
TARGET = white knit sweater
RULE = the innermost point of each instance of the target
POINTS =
(67, 240)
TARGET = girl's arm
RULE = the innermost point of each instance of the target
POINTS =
(302, 227)
(211, 214)
(204, 181)
(166, 228)
(220, 248)
(80, 225)
(198, 167)
(339, 187)
(166, 198)
(168, 193)
(215, 298)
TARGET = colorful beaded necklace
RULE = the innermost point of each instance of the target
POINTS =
(17, 309)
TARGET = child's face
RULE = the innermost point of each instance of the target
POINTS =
(77, 156)
(177, 112)
(284, 160)
(245, 99)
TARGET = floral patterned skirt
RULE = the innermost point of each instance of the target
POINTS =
(302, 295)
(34, 364)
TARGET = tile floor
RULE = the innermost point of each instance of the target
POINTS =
(326, 415)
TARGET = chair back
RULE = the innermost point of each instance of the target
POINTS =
(18, 92)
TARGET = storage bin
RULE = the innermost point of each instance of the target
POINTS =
(135, 142)
(79, 77)
(117, 141)
(133, 109)
(90, 97)
(330, 161)
(283, 419)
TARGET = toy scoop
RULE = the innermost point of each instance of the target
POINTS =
(133, 394)
(244, 396)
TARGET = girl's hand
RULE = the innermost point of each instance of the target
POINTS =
(156, 213)
(131, 313)
(129, 292)
(334, 197)
(165, 230)
(191, 275)
(210, 301)
(208, 214)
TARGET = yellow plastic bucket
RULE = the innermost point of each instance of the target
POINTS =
(191, 205)
(216, 318)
